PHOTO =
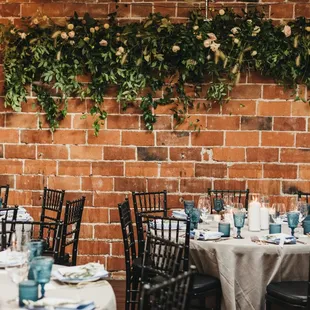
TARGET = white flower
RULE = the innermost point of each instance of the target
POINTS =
(307, 28)
(207, 43)
(96, 28)
(235, 30)
(118, 53)
(70, 26)
(71, 42)
(35, 21)
(221, 12)
(199, 37)
(64, 36)
(214, 46)
(254, 53)
(196, 27)
(249, 21)
(256, 29)
(106, 26)
(287, 30)
(71, 34)
(92, 30)
(12, 31)
(86, 39)
(22, 35)
(236, 41)
(175, 48)
(103, 43)
(212, 36)
(208, 57)
(121, 49)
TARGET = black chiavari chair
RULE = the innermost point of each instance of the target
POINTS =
(6, 235)
(4, 195)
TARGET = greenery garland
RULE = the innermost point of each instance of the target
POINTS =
(154, 54)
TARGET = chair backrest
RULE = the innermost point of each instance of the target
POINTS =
(304, 196)
(4, 195)
(26, 230)
(51, 206)
(241, 196)
(6, 235)
(161, 257)
(172, 229)
(148, 202)
(173, 294)
(71, 230)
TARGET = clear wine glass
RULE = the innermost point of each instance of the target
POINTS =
(204, 206)
(277, 212)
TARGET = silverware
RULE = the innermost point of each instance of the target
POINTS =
(302, 242)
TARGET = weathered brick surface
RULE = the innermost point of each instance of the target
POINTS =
(259, 140)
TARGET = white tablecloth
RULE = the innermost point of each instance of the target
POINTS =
(246, 268)
(100, 292)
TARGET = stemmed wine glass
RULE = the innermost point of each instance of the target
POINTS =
(204, 206)
(239, 218)
(218, 204)
(277, 211)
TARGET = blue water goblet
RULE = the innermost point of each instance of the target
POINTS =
(239, 218)
(292, 220)
(42, 268)
(189, 206)
(35, 249)
(218, 205)
(195, 217)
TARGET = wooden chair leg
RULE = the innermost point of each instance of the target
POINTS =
(268, 305)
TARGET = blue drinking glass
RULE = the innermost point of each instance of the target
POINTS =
(224, 228)
(218, 205)
(189, 206)
(292, 220)
(35, 249)
(239, 218)
(42, 268)
(306, 226)
(28, 290)
(195, 217)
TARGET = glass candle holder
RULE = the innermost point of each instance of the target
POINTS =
(28, 290)
(292, 220)
(42, 267)
(274, 228)
(224, 228)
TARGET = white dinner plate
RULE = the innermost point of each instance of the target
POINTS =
(60, 278)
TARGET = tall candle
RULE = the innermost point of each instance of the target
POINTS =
(264, 217)
(254, 215)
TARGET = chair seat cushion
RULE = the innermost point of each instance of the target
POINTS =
(294, 292)
(203, 283)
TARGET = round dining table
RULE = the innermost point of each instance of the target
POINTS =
(245, 267)
(100, 292)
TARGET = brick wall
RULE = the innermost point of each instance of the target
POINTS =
(260, 139)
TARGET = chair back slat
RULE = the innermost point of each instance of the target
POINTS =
(6, 235)
(4, 195)
(304, 196)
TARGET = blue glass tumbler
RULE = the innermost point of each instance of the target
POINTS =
(306, 225)
(292, 220)
(28, 290)
(35, 249)
(225, 229)
(42, 268)
(189, 206)
(274, 228)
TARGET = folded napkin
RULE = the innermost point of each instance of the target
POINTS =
(179, 214)
(83, 272)
(59, 304)
(280, 239)
(205, 235)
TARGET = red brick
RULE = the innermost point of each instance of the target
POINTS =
(230, 184)
(107, 168)
(86, 152)
(85, 259)
(130, 184)
(8, 136)
(292, 187)
(137, 138)
(95, 215)
(95, 10)
(74, 168)
(52, 152)
(172, 138)
(77, 195)
(22, 198)
(21, 120)
(117, 248)
(304, 172)
(141, 9)
(211, 170)
(252, 171)
(289, 124)
(192, 122)
(277, 139)
(156, 185)
(277, 92)
(237, 138)
(69, 136)
(195, 185)
(76, 105)
(303, 140)
(33, 182)
(165, 8)
(66, 183)
(270, 187)
(295, 155)
(246, 92)
(123, 122)
(275, 171)
(86, 231)
(84, 123)
(11, 166)
(45, 167)
(256, 123)
(119, 153)
(185, 154)
(223, 122)
(240, 107)
(210, 138)
(50, 9)
(33, 136)
(108, 199)
(10, 10)
(257, 78)
(300, 108)
(163, 123)
(177, 170)
(97, 184)
(20, 151)
(115, 263)
(152, 153)
(143, 169)
(94, 247)
(228, 154)
(112, 137)
(274, 108)
(282, 10)
(302, 10)
(108, 231)
(262, 155)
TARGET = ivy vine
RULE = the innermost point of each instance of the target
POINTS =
(147, 57)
